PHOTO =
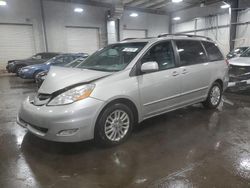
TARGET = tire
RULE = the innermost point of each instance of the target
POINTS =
(107, 121)
(214, 96)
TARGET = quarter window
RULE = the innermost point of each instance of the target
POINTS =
(190, 52)
(213, 51)
(161, 53)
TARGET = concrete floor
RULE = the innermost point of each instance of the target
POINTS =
(191, 147)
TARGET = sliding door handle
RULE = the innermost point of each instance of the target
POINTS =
(175, 73)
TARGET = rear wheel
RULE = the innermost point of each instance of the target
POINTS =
(114, 125)
(214, 96)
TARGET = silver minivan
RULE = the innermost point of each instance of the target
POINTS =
(123, 84)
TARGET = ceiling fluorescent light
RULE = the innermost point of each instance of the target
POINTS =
(225, 6)
(79, 10)
(3, 3)
(176, 18)
(133, 14)
(176, 1)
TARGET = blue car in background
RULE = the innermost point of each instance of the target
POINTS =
(30, 72)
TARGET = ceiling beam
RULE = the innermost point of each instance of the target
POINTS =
(151, 3)
(127, 1)
(137, 2)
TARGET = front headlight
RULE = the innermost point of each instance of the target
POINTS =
(73, 95)
(24, 70)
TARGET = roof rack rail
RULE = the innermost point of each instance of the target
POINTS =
(137, 38)
(185, 35)
(129, 39)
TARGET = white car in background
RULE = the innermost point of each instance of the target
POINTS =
(239, 70)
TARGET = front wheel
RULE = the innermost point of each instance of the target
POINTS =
(114, 125)
(214, 96)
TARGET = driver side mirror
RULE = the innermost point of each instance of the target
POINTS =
(151, 66)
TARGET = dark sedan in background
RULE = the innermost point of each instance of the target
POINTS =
(13, 66)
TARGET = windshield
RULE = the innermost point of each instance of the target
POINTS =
(114, 57)
(246, 53)
(75, 62)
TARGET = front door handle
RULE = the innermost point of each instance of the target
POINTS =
(175, 73)
(184, 71)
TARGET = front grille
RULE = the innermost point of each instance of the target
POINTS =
(238, 70)
(41, 129)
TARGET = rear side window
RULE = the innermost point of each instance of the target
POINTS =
(190, 52)
(213, 51)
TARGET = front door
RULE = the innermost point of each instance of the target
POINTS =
(159, 90)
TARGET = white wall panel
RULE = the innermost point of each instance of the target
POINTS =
(82, 40)
(16, 42)
(153, 23)
(133, 33)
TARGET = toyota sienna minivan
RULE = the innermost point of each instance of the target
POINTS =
(123, 84)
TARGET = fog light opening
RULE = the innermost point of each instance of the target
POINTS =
(68, 132)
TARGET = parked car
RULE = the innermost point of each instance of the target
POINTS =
(30, 72)
(236, 52)
(239, 70)
(13, 66)
(40, 77)
(122, 85)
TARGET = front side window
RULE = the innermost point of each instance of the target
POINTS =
(161, 53)
(114, 57)
(190, 52)
(213, 51)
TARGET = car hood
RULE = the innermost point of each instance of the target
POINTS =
(60, 77)
(240, 61)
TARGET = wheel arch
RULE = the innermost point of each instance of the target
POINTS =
(219, 81)
(124, 101)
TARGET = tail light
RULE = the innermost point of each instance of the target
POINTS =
(227, 62)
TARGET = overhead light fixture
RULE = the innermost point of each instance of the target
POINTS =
(133, 14)
(176, 18)
(176, 1)
(78, 10)
(3, 3)
(226, 5)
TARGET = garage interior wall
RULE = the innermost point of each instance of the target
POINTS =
(154, 24)
(202, 26)
(243, 31)
(214, 23)
(22, 13)
(60, 15)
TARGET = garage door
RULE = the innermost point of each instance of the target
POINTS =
(133, 33)
(81, 40)
(16, 42)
